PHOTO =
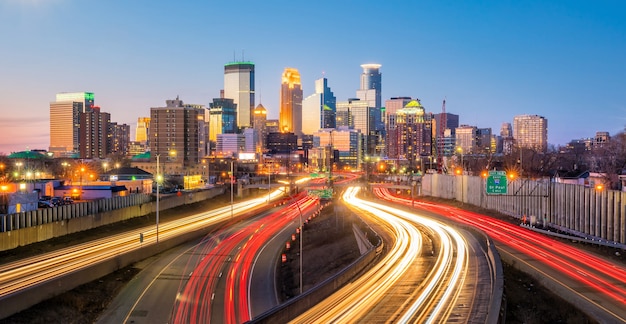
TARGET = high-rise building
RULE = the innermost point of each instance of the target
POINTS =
(446, 142)
(466, 139)
(259, 122)
(357, 114)
(318, 109)
(222, 117)
(175, 132)
(239, 86)
(118, 141)
(141, 132)
(531, 131)
(371, 88)
(65, 122)
(413, 134)
(94, 129)
(290, 114)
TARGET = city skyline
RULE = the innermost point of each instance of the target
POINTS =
(490, 62)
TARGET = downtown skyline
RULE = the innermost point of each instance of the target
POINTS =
(490, 62)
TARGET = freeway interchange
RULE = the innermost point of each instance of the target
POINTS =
(431, 271)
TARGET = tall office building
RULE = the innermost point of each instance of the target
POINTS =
(259, 122)
(371, 89)
(176, 132)
(141, 132)
(65, 122)
(445, 138)
(290, 113)
(466, 139)
(358, 114)
(531, 131)
(239, 86)
(222, 117)
(318, 109)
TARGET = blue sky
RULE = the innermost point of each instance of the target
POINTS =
(491, 60)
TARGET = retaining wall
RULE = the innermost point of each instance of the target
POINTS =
(43, 224)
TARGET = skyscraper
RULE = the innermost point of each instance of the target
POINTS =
(65, 122)
(222, 117)
(318, 109)
(239, 86)
(290, 114)
(357, 114)
(370, 85)
(259, 122)
(141, 132)
(413, 133)
(531, 131)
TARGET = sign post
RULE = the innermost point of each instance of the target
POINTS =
(496, 183)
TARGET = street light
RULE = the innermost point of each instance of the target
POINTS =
(232, 175)
(159, 178)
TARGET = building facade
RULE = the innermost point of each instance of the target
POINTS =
(176, 132)
(290, 113)
(318, 109)
(222, 117)
(65, 122)
(260, 126)
(94, 130)
(371, 87)
(239, 86)
(531, 132)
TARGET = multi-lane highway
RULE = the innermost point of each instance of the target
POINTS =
(590, 282)
(32, 272)
(209, 280)
(431, 273)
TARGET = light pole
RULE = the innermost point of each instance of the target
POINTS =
(82, 170)
(158, 180)
(269, 183)
(232, 176)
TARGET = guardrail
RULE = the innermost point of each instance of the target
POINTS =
(289, 310)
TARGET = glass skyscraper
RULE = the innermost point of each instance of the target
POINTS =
(239, 86)
(318, 109)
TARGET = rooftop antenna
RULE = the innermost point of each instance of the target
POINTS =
(242, 56)
(234, 56)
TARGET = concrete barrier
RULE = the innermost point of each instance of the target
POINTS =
(44, 225)
(291, 309)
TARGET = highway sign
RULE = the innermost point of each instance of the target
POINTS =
(496, 183)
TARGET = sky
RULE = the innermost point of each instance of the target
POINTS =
(490, 60)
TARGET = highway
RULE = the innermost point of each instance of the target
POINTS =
(28, 273)
(207, 280)
(590, 282)
(428, 275)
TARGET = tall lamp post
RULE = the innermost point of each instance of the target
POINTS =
(232, 176)
(159, 177)
(269, 183)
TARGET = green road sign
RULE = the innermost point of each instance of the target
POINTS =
(496, 183)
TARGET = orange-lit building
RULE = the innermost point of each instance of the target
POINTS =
(290, 114)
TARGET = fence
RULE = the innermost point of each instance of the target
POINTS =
(586, 212)
(12, 222)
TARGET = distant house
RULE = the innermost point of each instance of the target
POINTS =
(581, 178)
